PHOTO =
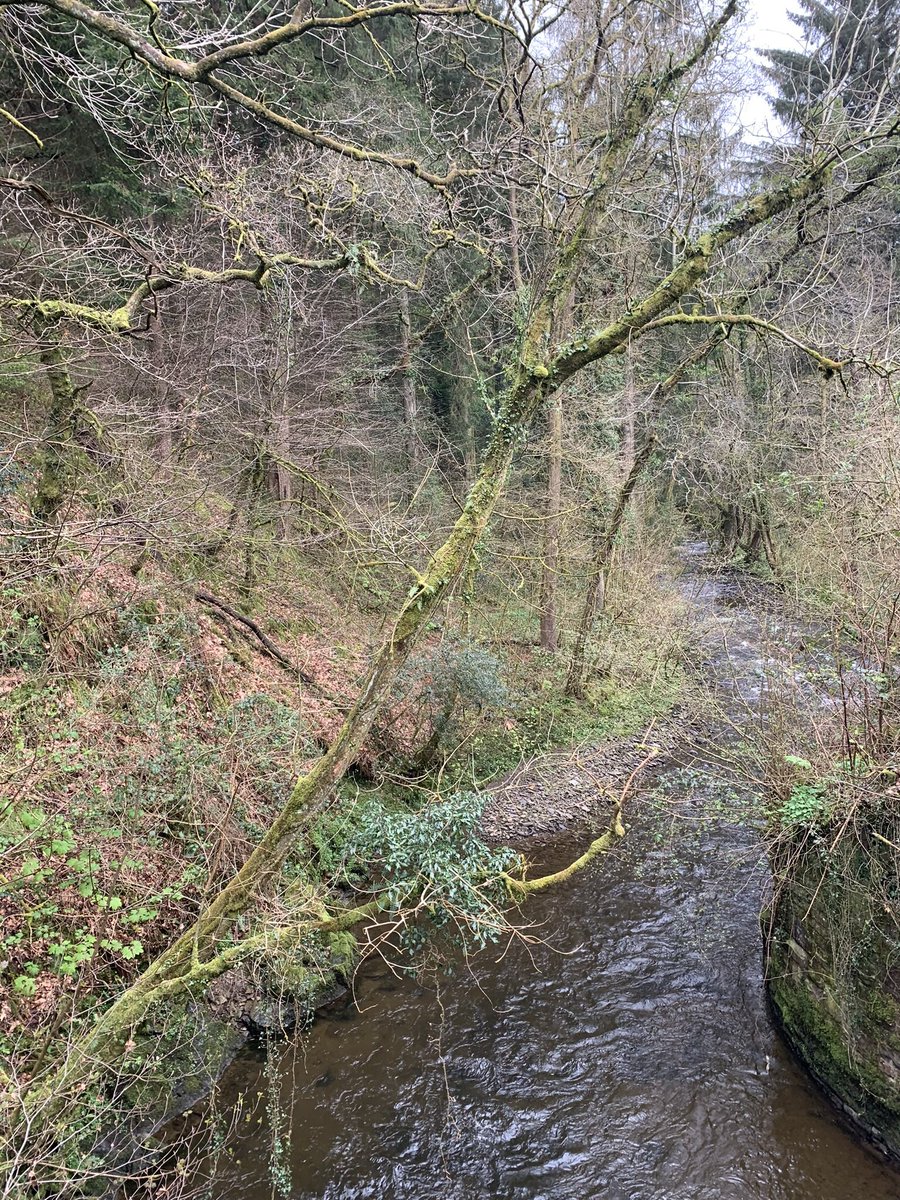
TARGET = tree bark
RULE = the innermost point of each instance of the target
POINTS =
(276, 415)
(410, 397)
(550, 571)
(59, 455)
(596, 589)
(540, 370)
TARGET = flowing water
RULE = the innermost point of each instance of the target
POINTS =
(626, 1053)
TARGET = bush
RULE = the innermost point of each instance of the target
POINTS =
(446, 689)
(434, 861)
(21, 636)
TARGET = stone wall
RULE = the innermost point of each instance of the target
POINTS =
(833, 966)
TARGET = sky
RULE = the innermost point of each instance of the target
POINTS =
(767, 27)
(771, 22)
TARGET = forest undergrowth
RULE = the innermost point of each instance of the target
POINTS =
(148, 738)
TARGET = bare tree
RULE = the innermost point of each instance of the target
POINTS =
(687, 289)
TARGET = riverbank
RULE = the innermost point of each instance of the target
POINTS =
(574, 789)
(151, 731)
(621, 1046)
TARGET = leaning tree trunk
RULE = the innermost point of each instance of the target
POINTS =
(541, 369)
(596, 589)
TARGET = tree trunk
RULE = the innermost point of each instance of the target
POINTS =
(410, 397)
(59, 455)
(256, 486)
(729, 530)
(550, 572)
(275, 415)
(596, 589)
(764, 530)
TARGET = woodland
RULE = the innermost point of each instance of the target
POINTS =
(362, 366)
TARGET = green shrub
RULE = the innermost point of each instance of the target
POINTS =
(434, 860)
(446, 688)
(806, 804)
(21, 634)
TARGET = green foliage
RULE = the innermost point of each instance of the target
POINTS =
(55, 889)
(456, 670)
(813, 801)
(806, 804)
(21, 634)
(795, 761)
(552, 720)
(850, 51)
(448, 687)
(434, 858)
(328, 841)
(78, 897)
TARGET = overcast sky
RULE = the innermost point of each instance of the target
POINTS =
(771, 23)
(768, 26)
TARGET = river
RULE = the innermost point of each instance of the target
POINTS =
(625, 1052)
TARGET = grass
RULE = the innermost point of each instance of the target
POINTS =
(552, 721)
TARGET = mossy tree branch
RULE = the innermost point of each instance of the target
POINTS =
(540, 370)
(58, 452)
(520, 889)
(695, 264)
(202, 72)
(726, 320)
(123, 319)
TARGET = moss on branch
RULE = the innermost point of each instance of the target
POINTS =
(730, 319)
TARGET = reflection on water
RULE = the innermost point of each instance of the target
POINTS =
(626, 1053)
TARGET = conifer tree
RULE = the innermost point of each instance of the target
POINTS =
(851, 54)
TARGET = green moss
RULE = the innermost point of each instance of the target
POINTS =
(177, 1058)
(882, 1008)
(295, 979)
(811, 1025)
(836, 999)
(554, 720)
(344, 950)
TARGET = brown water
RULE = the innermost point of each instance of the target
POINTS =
(626, 1053)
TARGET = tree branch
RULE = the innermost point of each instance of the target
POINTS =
(694, 265)
(201, 72)
(519, 889)
(724, 319)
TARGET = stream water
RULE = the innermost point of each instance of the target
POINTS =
(626, 1053)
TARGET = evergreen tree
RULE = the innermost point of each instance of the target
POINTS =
(850, 53)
